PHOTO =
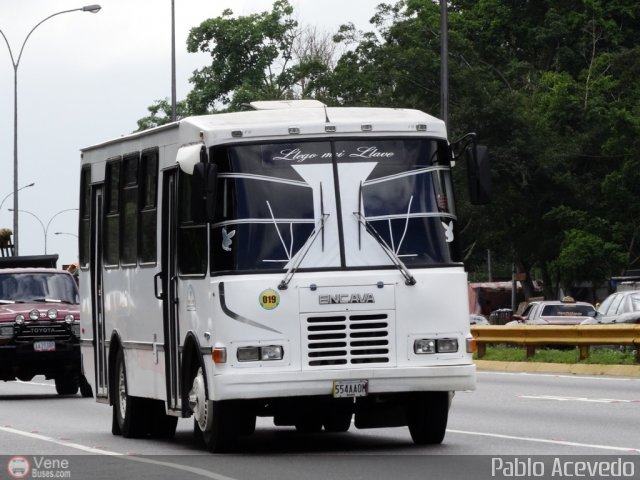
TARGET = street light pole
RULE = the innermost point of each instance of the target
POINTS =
(16, 62)
(173, 61)
(45, 229)
(12, 193)
(444, 63)
(67, 233)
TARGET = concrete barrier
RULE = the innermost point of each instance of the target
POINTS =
(582, 336)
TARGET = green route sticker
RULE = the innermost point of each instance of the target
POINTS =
(269, 299)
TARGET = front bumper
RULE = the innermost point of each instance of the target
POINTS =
(381, 380)
(20, 360)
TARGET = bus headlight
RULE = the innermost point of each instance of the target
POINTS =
(260, 353)
(424, 345)
(435, 345)
(447, 345)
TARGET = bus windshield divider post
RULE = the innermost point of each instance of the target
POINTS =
(409, 280)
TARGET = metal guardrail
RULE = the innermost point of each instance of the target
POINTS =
(532, 336)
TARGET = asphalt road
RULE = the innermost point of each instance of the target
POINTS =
(509, 414)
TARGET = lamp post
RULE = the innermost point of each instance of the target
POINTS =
(66, 233)
(173, 61)
(13, 193)
(444, 63)
(16, 62)
(45, 229)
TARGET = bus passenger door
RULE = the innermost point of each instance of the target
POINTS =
(97, 299)
(169, 295)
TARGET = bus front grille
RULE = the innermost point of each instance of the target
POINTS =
(349, 339)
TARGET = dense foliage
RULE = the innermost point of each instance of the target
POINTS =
(550, 86)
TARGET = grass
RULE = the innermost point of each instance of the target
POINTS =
(597, 355)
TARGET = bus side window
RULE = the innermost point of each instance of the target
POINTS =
(192, 236)
(112, 213)
(147, 233)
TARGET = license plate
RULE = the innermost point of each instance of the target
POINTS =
(44, 346)
(350, 388)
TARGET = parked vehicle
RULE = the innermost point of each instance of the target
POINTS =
(619, 307)
(40, 323)
(555, 312)
(475, 319)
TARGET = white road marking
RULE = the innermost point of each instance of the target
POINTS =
(545, 440)
(561, 375)
(97, 451)
(577, 399)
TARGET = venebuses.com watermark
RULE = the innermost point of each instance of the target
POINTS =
(38, 467)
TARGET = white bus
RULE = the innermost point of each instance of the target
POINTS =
(295, 261)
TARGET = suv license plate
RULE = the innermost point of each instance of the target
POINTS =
(350, 388)
(44, 346)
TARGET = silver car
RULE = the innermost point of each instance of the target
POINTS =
(619, 307)
(556, 312)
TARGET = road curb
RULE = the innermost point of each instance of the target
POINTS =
(567, 368)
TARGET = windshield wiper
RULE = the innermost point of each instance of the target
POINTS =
(51, 300)
(284, 283)
(408, 278)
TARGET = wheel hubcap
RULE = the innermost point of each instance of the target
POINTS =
(122, 391)
(198, 400)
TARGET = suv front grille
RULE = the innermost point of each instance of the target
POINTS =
(357, 338)
(36, 331)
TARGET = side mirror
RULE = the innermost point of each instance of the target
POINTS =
(203, 192)
(478, 173)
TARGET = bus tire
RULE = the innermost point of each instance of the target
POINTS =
(67, 385)
(337, 415)
(85, 388)
(427, 416)
(309, 423)
(220, 436)
(161, 425)
(337, 422)
(128, 413)
(213, 421)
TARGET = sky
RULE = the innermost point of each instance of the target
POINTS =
(84, 78)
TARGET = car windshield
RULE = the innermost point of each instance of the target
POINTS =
(567, 311)
(338, 200)
(38, 287)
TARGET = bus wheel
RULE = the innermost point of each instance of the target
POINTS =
(127, 411)
(337, 415)
(85, 387)
(309, 423)
(67, 385)
(337, 422)
(161, 424)
(427, 415)
(213, 421)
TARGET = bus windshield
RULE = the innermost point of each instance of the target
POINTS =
(328, 200)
